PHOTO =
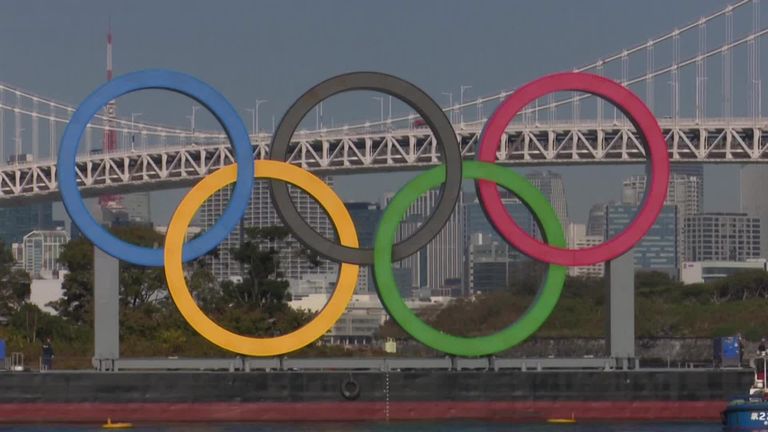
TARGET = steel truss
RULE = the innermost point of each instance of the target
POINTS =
(740, 141)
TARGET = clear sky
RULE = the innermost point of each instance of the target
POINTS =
(275, 50)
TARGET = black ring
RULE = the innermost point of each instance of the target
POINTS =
(350, 389)
(434, 117)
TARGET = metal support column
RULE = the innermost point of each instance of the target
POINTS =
(620, 296)
(106, 284)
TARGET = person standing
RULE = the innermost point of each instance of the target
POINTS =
(740, 341)
(47, 354)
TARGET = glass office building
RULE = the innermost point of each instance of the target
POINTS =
(21, 220)
(722, 237)
(657, 251)
(366, 216)
(490, 261)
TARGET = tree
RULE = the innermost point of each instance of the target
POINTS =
(33, 324)
(263, 285)
(205, 289)
(526, 276)
(14, 284)
(652, 279)
(258, 304)
(138, 285)
(76, 302)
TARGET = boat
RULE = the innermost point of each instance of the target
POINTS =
(116, 425)
(750, 412)
(561, 420)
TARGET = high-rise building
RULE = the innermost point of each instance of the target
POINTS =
(404, 281)
(753, 198)
(41, 252)
(722, 237)
(692, 170)
(478, 223)
(551, 185)
(113, 213)
(683, 191)
(439, 264)
(366, 216)
(596, 221)
(658, 248)
(137, 207)
(491, 263)
(689, 169)
(260, 213)
(19, 221)
(579, 239)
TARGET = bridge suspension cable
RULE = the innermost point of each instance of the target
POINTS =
(49, 116)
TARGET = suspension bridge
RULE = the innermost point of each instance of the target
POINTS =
(716, 59)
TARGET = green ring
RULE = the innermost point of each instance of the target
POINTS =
(515, 333)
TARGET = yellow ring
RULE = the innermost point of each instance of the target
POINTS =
(254, 346)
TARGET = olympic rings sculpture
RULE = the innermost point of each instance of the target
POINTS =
(449, 175)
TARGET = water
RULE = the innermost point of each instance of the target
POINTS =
(390, 427)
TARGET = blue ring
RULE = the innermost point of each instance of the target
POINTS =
(179, 83)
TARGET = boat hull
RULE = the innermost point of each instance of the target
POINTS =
(525, 396)
(747, 416)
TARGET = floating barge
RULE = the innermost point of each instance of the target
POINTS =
(350, 395)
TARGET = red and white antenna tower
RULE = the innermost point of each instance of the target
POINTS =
(109, 51)
(110, 135)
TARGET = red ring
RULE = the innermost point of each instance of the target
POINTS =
(650, 133)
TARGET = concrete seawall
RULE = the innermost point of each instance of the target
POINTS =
(296, 396)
